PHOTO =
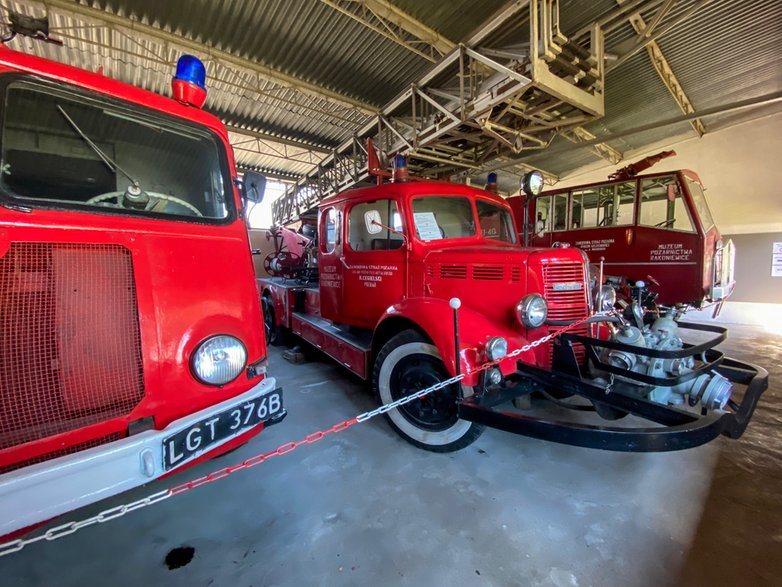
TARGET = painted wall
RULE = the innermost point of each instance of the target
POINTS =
(741, 167)
(754, 282)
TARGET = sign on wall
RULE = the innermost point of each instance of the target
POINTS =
(776, 260)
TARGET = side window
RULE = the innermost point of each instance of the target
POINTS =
(586, 212)
(699, 199)
(606, 205)
(662, 205)
(495, 222)
(359, 239)
(329, 227)
(560, 212)
(542, 221)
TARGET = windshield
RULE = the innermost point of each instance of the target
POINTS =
(61, 148)
(441, 217)
(699, 199)
(444, 217)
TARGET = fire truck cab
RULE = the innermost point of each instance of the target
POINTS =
(654, 228)
(421, 281)
(130, 346)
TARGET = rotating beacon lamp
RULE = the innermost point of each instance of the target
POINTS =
(400, 168)
(491, 183)
(189, 81)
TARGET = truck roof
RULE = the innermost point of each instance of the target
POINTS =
(413, 188)
(22, 62)
(688, 172)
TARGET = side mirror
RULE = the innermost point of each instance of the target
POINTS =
(372, 221)
(253, 186)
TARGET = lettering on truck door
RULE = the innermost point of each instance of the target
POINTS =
(374, 272)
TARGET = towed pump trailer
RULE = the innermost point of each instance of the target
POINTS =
(667, 427)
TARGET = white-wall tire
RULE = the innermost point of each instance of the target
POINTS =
(451, 434)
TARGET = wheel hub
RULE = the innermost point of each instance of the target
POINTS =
(436, 411)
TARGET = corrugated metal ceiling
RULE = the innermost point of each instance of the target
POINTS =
(726, 51)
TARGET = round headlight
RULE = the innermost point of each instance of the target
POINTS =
(532, 183)
(606, 298)
(495, 376)
(496, 348)
(219, 360)
(532, 310)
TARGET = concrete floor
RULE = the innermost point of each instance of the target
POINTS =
(365, 508)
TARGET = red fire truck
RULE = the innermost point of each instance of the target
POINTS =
(420, 281)
(654, 228)
(129, 347)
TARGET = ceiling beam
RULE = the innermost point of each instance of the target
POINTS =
(275, 139)
(393, 24)
(764, 100)
(266, 72)
(442, 44)
(650, 34)
(388, 11)
(665, 72)
(602, 150)
(270, 174)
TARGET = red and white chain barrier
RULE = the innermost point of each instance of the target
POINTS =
(120, 510)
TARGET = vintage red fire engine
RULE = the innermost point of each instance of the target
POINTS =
(129, 347)
(421, 280)
(653, 232)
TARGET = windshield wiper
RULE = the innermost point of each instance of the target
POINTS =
(110, 163)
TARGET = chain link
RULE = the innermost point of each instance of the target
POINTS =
(118, 511)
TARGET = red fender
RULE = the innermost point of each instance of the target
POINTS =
(435, 317)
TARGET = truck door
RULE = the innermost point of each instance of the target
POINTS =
(329, 266)
(374, 269)
(667, 241)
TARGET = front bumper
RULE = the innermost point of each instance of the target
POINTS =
(45, 490)
(671, 428)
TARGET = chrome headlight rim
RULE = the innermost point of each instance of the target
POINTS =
(194, 356)
(496, 348)
(606, 298)
(523, 310)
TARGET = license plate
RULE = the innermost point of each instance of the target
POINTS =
(197, 438)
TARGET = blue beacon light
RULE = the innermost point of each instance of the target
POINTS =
(491, 183)
(400, 168)
(189, 81)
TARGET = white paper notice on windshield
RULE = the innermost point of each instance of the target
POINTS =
(426, 226)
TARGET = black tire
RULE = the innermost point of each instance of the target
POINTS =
(272, 332)
(408, 363)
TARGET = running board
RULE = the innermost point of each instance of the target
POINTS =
(346, 348)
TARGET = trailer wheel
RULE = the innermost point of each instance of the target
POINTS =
(271, 331)
(406, 364)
